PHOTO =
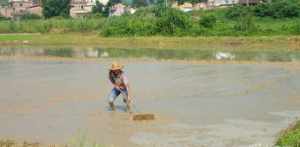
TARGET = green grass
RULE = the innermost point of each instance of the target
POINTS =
(290, 137)
(145, 25)
(251, 48)
(15, 37)
(80, 140)
(82, 40)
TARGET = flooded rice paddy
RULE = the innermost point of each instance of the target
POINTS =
(209, 105)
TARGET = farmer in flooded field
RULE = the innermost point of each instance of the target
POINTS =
(120, 86)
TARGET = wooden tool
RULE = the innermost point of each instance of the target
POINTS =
(142, 117)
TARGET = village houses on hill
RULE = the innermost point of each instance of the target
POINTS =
(80, 8)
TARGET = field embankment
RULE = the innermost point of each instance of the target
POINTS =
(276, 48)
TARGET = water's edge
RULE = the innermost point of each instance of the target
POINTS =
(176, 54)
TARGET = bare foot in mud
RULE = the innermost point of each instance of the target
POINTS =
(112, 106)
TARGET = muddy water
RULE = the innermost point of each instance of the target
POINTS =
(196, 104)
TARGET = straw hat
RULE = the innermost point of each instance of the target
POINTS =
(116, 66)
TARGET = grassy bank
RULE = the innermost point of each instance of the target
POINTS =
(264, 19)
(262, 43)
(290, 137)
(138, 25)
(276, 48)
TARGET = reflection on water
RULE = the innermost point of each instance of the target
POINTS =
(204, 104)
(212, 54)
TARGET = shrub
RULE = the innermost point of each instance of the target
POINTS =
(296, 28)
(264, 10)
(174, 22)
(290, 137)
(98, 8)
(115, 26)
(278, 9)
(142, 26)
(13, 26)
(52, 8)
(237, 11)
(28, 16)
(208, 21)
(246, 24)
(129, 26)
(44, 27)
(3, 18)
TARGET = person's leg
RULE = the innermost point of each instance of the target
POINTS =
(125, 99)
(112, 97)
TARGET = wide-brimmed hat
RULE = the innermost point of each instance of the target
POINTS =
(116, 66)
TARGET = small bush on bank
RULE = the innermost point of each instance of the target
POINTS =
(129, 26)
(3, 18)
(29, 16)
(291, 137)
(237, 11)
(296, 28)
(174, 22)
(246, 25)
(208, 21)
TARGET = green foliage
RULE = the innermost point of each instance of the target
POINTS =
(208, 21)
(13, 27)
(161, 20)
(28, 16)
(129, 26)
(246, 24)
(3, 18)
(174, 22)
(165, 22)
(139, 3)
(296, 28)
(53, 25)
(52, 8)
(290, 138)
(237, 11)
(112, 2)
(98, 8)
(278, 9)
(3, 3)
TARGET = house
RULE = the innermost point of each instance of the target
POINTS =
(118, 9)
(17, 8)
(201, 5)
(186, 7)
(249, 2)
(83, 7)
(220, 3)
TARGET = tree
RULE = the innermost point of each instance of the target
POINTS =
(53, 8)
(208, 21)
(98, 8)
(139, 3)
(278, 9)
(109, 4)
(173, 22)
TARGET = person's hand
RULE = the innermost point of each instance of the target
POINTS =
(129, 99)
